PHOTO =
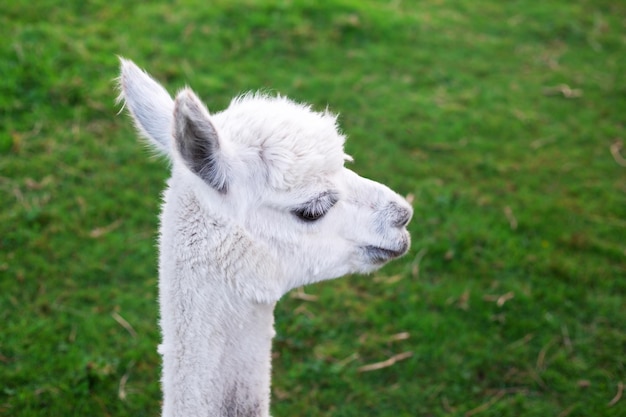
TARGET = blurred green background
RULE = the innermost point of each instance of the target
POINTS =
(504, 121)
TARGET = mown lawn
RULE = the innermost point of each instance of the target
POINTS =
(503, 121)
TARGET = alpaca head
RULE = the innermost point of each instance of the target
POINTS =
(276, 169)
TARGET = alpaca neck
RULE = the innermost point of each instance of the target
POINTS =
(220, 366)
(216, 339)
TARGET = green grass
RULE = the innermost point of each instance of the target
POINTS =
(497, 117)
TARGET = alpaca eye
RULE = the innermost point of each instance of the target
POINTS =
(316, 208)
(308, 215)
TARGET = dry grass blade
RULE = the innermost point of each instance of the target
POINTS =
(446, 405)
(521, 342)
(541, 358)
(415, 265)
(508, 212)
(618, 396)
(347, 360)
(564, 90)
(389, 280)
(567, 411)
(486, 405)
(385, 364)
(100, 231)
(121, 390)
(567, 341)
(299, 294)
(303, 310)
(615, 148)
(499, 299)
(124, 323)
(399, 336)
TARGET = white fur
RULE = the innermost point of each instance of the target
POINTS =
(231, 240)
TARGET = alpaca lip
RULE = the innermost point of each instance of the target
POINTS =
(379, 255)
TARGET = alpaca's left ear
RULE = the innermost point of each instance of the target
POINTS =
(198, 142)
(149, 104)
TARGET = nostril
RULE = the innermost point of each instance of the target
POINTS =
(404, 216)
(398, 215)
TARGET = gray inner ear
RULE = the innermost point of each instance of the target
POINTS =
(201, 151)
(198, 144)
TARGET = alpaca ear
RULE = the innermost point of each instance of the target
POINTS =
(149, 104)
(197, 141)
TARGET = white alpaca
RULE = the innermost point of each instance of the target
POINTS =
(259, 203)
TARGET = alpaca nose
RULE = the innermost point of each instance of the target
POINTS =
(398, 215)
(403, 217)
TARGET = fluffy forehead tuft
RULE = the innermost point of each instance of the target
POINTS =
(291, 142)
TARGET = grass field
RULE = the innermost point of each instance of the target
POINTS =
(504, 121)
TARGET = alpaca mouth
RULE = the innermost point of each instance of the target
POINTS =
(378, 255)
